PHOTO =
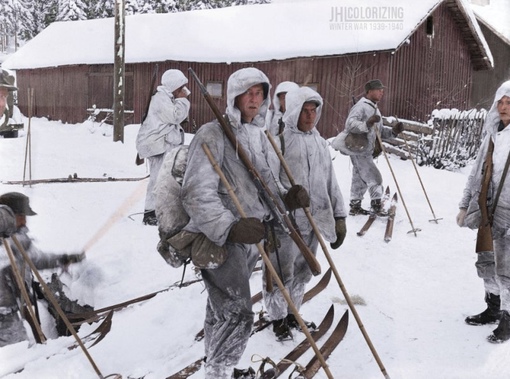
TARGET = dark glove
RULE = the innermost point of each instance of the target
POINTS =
(372, 120)
(247, 230)
(67, 259)
(397, 128)
(297, 197)
(341, 230)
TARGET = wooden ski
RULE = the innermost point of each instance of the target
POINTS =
(391, 218)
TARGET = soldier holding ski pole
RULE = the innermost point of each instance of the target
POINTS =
(324, 185)
(234, 144)
(308, 153)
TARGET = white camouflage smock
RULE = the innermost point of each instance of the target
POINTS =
(309, 160)
(365, 174)
(229, 315)
(161, 131)
(494, 267)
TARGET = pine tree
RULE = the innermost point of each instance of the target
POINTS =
(35, 15)
(71, 10)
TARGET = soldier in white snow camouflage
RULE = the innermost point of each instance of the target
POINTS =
(308, 157)
(229, 315)
(275, 123)
(161, 131)
(493, 266)
(359, 140)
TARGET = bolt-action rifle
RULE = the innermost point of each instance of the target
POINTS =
(278, 212)
(484, 236)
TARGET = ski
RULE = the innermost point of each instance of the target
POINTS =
(283, 364)
(188, 370)
(331, 343)
(300, 349)
(75, 179)
(391, 218)
(367, 225)
(373, 216)
(93, 338)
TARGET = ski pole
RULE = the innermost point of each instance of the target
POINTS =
(267, 262)
(330, 260)
(59, 310)
(435, 219)
(413, 230)
(38, 333)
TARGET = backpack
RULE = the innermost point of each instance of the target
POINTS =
(177, 246)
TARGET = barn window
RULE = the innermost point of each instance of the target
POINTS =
(430, 26)
(215, 89)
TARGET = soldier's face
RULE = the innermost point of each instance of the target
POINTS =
(307, 117)
(249, 102)
(375, 94)
(504, 110)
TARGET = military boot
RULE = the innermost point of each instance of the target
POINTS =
(489, 316)
(294, 324)
(376, 207)
(282, 330)
(248, 373)
(502, 332)
(356, 208)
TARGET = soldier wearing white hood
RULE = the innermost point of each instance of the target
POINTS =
(493, 266)
(275, 123)
(161, 131)
(308, 157)
(229, 316)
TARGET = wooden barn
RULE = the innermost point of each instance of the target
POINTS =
(493, 20)
(426, 53)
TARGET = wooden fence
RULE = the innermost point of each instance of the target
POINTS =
(449, 140)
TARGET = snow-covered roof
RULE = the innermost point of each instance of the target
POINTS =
(247, 33)
(496, 16)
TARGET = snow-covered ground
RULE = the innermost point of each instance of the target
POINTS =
(417, 289)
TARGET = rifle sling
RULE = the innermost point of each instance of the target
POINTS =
(501, 182)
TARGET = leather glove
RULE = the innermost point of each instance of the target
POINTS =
(67, 259)
(461, 217)
(372, 120)
(248, 230)
(341, 231)
(397, 128)
(7, 222)
(297, 197)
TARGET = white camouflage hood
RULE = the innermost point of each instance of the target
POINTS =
(280, 88)
(295, 100)
(238, 83)
(173, 79)
(492, 119)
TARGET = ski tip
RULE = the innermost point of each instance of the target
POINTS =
(387, 190)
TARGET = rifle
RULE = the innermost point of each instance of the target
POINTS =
(139, 160)
(278, 212)
(484, 240)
